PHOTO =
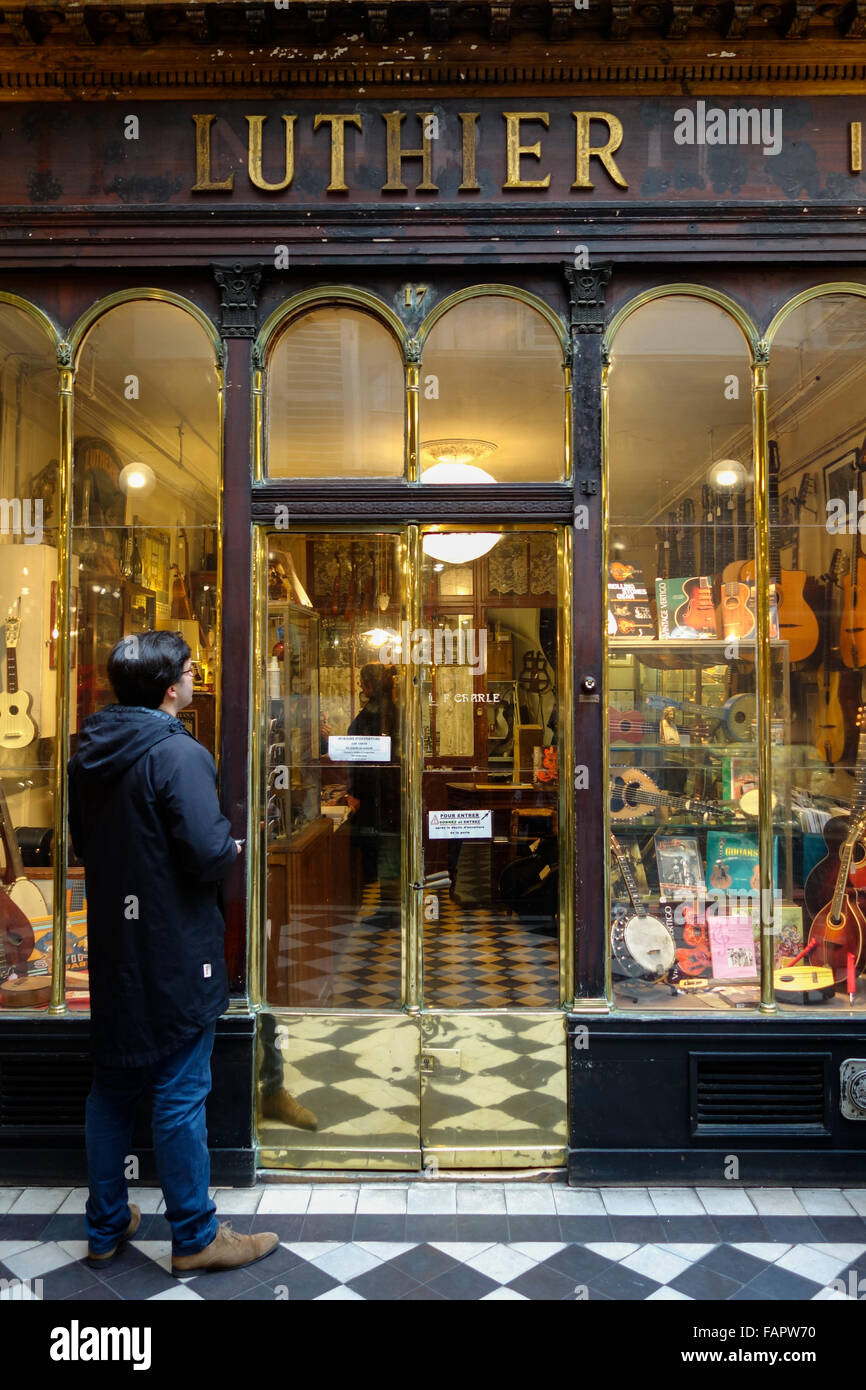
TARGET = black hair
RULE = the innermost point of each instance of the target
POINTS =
(143, 665)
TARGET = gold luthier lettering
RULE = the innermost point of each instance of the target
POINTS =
(338, 147)
(396, 154)
(469, 122)
(254, 154)
(203, 181)
(586, 151)
(514, 149)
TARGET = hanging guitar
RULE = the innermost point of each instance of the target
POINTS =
(798, 625)
(633, 793)
(17, 729)
(829, 732)
(843, 839)
(852, 629)
(643, 947)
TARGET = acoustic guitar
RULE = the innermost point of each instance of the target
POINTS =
(852, 628)
(798, 625)
(17, 729)
(843, 838)
(829, 731)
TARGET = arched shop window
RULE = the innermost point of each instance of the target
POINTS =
(817, 456)
(29, 530)
(146, 472)
(493, 392)
(681, 670)
(335, 397)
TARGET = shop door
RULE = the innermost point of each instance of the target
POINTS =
(412, 734)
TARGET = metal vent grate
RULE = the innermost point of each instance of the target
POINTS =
(759, 1093)
(39, 1090)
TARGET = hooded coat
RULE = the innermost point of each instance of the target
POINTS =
(145, 819)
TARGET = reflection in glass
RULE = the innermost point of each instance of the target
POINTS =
(29, 483)
(681, 664)
(335, 398)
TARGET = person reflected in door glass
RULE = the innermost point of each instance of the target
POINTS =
(373, 796)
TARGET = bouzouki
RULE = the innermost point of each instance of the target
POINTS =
(798, 625)
(633, 792)
(643, 947)
(829, 734)
(852, 629)
(17, 729)
(841, 835)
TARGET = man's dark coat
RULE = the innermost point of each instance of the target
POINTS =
(145, 818)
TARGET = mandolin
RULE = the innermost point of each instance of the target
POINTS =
(841, 835)
(829, 732)
(798, 625)
(839, 929)
(852, 629)
(17, 729)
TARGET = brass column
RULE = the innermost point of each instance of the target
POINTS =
(61, 752)
(764, 677)
(413, 764)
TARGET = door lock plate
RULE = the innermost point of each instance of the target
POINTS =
(435, 1058)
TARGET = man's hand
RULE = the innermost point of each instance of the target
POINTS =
(240, 845)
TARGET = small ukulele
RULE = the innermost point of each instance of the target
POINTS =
(17, 729)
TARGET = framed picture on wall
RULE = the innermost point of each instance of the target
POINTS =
(841, 477)
(155, 550)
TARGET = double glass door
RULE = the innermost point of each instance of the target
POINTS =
(412, 722)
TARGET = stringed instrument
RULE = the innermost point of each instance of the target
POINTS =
(621, 572)
(798, 625)
(698, 611)
(627, 726)
(829, 731)
(735, 613)
(839, 929)
(633, 792)
(721, 872)
(643, 946)
(852, 628)
(736, 715)
(17, 729)
(842, 837)
(23, 892)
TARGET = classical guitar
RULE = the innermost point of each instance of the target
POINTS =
(798, 625)
(852, 629)
(735, 618)
(643, 947)
(829, 732)
(633, 792)
(843, 837)
(839, 929)
(17, 729)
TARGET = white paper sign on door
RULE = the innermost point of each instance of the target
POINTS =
(357, 748)
(460, 825)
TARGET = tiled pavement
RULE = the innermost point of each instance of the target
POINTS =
(465, 1241)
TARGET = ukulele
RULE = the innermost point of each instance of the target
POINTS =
(17, 729)
(839, 929)
(829, 719)
(627, 726)
(852, 629)
(798, 625)
(643, 946)
(841, 835)
(721, 874)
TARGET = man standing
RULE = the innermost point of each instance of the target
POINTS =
(145, 818)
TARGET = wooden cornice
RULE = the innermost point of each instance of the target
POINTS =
(56, 48)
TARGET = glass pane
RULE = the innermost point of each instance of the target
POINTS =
(487, 659)
(816, 465)
(145, 488)
(335, 398)
(333, 771)
(29, 483)
(493, 392)
(681, 663)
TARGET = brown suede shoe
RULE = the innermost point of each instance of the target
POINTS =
(228, 1250)
(107, 1257)
(283, 1106)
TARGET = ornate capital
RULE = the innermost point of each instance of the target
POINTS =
(762, 353)
(239, 285)
(258, 358)
(64, 354)
(586, 293)
(413, 351)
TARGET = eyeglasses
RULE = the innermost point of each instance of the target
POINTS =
(188, 672)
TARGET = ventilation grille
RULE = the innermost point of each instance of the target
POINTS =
(759, 1093)
(39, 1091)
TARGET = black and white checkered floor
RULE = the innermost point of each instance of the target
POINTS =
(465, 1241)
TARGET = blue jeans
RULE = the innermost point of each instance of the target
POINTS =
(181, 1084)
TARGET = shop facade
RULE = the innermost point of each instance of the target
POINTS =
(491, 424)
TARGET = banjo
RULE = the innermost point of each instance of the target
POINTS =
(643, 947)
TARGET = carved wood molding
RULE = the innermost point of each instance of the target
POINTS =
(403, 502)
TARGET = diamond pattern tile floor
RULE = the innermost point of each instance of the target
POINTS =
(502, 1242)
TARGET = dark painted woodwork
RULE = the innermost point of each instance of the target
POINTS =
(630, 1116)
(328, 500)
(587, 289)
(236, 594)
